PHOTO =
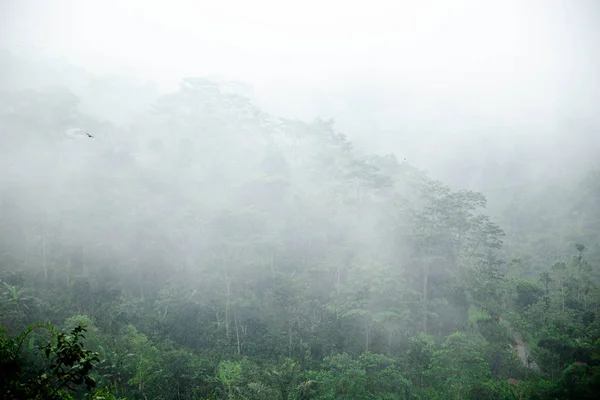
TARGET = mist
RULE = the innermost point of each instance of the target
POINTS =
(523, 71)
(276, 196)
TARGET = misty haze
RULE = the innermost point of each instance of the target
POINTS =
(273, 200)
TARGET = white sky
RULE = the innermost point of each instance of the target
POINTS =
(514, 53)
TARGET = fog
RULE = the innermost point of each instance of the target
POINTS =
(413, 77)
(272, 179)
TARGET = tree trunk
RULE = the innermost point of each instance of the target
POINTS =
(44, 258)
(425, 287)
(579, 277)
(69, 270)
(289, 338)
(338, 273)
(358, 214)
(228, 293)
(562, 291)
(237, 334)
(83, 265)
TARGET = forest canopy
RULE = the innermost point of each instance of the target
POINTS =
(194, 246)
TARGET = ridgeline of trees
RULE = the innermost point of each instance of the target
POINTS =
(207, 250)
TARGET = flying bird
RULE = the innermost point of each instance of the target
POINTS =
(78, 132)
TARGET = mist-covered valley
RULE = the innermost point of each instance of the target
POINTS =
(311, 225)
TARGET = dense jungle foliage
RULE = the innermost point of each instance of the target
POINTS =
(208, 250)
